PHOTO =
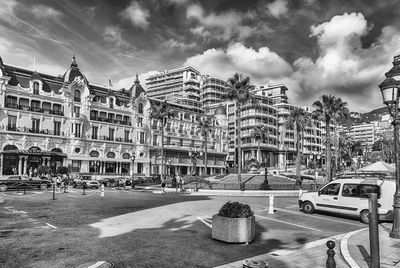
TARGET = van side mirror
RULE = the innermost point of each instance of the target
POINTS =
(319, 192)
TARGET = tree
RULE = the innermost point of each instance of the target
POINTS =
(258, 133)
(62, 170)
(298, 120)
(346, 142)
(43, 170)
(329, 109)
(239, 90)
(161, 112)
(205, 127)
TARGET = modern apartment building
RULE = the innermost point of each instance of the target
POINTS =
(213, 91)
(181, 86)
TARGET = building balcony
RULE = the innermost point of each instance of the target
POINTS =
(33, 109)
(33, 130)
(109, 120)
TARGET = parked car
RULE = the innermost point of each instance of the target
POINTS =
(350, 197)
(14, 182)
(85, 181)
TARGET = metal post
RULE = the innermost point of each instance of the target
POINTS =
(395, 232)
(373, 230)
(54, 190)
(330, 261)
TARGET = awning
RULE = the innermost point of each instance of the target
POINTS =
(37, 153)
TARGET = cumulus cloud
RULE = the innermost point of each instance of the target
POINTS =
(344, 67)
(136, 14)
(261, 65)
(278, 8)
(45, 12)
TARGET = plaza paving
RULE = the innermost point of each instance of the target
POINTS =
(143, 229)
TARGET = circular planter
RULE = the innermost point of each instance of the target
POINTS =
(233, 230)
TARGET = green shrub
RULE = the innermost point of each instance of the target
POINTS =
(235, 210)
(62, 170)
(43, 170)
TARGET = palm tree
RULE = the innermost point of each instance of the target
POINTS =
(330, 109)
(239, 90)
(205, 127)
(161, 112)
(258, 133)
(298, 119)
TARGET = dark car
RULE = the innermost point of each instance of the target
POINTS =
(14, 182)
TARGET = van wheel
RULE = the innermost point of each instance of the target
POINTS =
(308, 207)
(74, 185)
(364, 216)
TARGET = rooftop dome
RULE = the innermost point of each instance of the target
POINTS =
(73, 72)
(220, 111)
(136, 89)
(36, 76)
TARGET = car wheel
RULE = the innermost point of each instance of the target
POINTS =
(364, 216)
(3, 188)
(43, 187)
(74, 185)
(308, 207)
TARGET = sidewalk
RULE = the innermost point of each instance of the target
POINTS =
(389, 248)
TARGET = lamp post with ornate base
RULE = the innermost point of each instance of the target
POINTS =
(390, 94)
(194, 155)
(133, 157)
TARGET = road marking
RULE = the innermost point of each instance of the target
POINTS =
(97, 264)
(301, 226)
(52, 226)
(204, 221)
(344, 249)
(319, 217)
(22, 211)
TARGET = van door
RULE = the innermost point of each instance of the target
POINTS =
(327, 199)
(351, 201)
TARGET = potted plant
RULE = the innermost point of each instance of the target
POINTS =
(234, 223)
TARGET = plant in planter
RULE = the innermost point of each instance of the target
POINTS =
(234, 223)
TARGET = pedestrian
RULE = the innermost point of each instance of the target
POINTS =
(35, 172)
(182, 183)
(163, 185)
(30, 172)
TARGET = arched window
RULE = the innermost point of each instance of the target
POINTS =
(110, 155)
(140, 108)
(94, 154)
(77, 95)
(10, 148)
(36, 88)
(57, 150)
(34, 149)
(126, 156)
(111, 103)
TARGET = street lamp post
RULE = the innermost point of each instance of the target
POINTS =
(194, 155)
(390, 95)
(133, 156)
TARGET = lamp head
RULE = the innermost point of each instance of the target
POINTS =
(390, 91)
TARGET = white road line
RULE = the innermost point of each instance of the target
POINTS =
(22, 211)
(301, 226)
(203, 221)
(97, 264)
(318, 217)
(52, 226)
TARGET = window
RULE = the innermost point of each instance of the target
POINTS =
(95, 131)
(111, 132)
(110, 118)
(168, 141)
(360, 190)
(12, 123)
(11, 102)
(93, 115)
(125, 167)
(76, 165)
(57, 128)
(57, 109)
(78, 130)
(331, 189)
(110, 155)
(36, 88)
(77, 96)
(141, 138)
(111, 103)
(140, 122)
(139, 168)
(180, 142)
(94, 154)
(35, 125)
(35, 106)
(155, 137)
(126, 135)
(77, 111)
(140, 108)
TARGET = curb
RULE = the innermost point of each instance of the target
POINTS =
(344, 249)
(247, 193)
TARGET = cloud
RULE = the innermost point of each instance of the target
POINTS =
(226, 25)
(237, 58)
(136, 14)
(173, 44)
(344, 67)
(128, 81)
(45, 12)
(113, 35)
(278, 8)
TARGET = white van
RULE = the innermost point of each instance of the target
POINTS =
(350, 197)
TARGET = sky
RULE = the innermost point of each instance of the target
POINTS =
(314, 47)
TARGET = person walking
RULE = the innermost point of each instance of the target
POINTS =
(163, 185)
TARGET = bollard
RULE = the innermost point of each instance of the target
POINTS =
(83, 187)
(24, 188)
(102, 190)
(54, 191)
(271, 204)
(330, 262)
(300, 192)
(373, 230)
(255, 264)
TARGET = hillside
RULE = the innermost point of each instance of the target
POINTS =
(359, 118)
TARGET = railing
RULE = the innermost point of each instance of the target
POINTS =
(33, 130)
(109, 120)
(33, 109)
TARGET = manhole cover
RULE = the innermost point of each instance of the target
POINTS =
(96, 264)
